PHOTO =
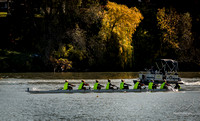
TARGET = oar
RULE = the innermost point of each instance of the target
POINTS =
(128, 84)
(73, 85)
(101, 85)
(115, 86)
(172, 88)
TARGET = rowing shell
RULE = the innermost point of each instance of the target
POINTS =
(97, 91)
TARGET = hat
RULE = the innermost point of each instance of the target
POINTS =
(66, 80)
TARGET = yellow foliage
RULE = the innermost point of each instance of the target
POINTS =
(121, 21)
(3, 14)
(168, 22)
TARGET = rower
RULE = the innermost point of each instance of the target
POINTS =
(137, 85)
(109, 85)
(97, 85)
(177, 86)
(152, 85)
(82, 85)
(164, 85)
(67, 85)
(124, 85)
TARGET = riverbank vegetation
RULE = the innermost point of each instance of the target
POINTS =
(98, 35)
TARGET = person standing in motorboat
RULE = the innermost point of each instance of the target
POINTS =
(68, 86)
(97, 85)
(82, 85)
(124, 85)
(109, 85)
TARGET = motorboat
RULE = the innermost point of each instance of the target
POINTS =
(163, 69)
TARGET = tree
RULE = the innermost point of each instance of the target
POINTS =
(120, 23)
(167, 22)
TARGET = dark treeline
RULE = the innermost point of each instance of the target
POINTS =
(98, 35)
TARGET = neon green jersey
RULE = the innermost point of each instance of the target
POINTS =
(150, 85)
(80, 86)
(162, 85)
(95, 86)
(136, 85)
(65, 86)
(122, 85)
(108, 85)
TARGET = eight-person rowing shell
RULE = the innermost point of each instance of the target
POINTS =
(123, 86)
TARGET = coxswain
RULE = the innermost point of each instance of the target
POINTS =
(68, 86)
(97, 85)
(164, 85)
(177, 86)
(124, 85)
(109, 85)
(82, 85)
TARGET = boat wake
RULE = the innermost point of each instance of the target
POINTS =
(191, 81)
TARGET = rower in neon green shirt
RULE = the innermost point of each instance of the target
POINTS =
(67, 85)
(82, 85)
(109, 85)
(124, 85)
(164, 85)
(137, 85)
(97, 85)
(152, 85)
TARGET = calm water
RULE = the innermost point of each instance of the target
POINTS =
(18, 105)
